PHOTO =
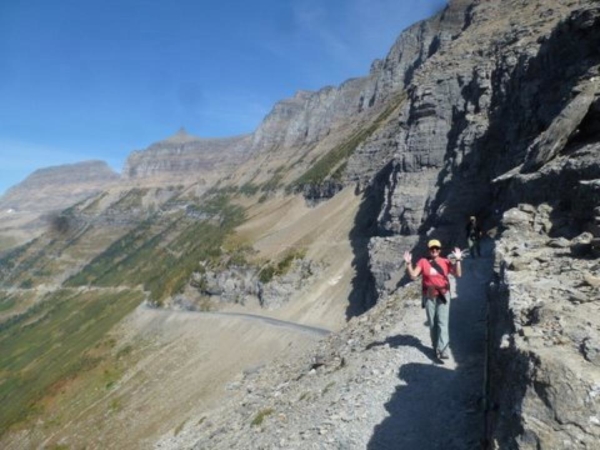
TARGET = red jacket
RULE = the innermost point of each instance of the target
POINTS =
(432, 277)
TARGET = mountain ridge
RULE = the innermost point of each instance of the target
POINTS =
(487, 109)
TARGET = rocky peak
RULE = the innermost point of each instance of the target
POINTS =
(58, 187)
(181, 137)
(186, 158)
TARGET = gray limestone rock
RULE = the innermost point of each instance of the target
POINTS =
(550, 143)
(183, 156)
(56, 188)
(582, 245)
(516, 218)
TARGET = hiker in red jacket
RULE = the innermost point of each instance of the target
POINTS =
(436, 291)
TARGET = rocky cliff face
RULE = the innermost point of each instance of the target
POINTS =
(506, 113)
(26, 207)
(55, 188)
(309, 116)
(544, 374)
(183, 158)
(473, 113)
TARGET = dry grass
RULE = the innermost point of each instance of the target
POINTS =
(177, 366)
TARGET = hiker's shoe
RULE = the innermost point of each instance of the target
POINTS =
(444, 355)
(438, 358)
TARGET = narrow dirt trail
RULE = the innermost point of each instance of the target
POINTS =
(439, 406)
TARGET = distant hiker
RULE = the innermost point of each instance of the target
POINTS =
(474, 235)
(436, 291)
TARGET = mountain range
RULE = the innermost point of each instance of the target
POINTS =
(184, 303)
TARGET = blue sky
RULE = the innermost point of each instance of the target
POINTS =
(97, 79)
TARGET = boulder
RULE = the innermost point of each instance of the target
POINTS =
(581, 246)
(517, 219)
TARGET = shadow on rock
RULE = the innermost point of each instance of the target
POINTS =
(405, 340)
(364, 294)
(417, 417)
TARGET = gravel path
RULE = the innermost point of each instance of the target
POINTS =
(439, 406)
(375, 385)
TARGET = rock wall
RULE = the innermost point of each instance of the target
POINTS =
(544, 376)
(473, 109)
(504, 114)
(55, 188)
(183, 157)
(309, 116)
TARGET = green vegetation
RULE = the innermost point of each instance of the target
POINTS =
(337, 174)
(6, 243)
(304, 396)
(115, 405)
(237, 254)
(327, 388)
(335, 158)
(110, 376)
(53, 342)
(7, 303)
(26, 284)
(273, 184)
(39, 261)
(260, 417)
(179, 428)
(249, 189)
(225, 190)
(162, 258)
(14, 303)
(93, 206)
(131, 200)
(14, 258)
(266, 274)
(269, 271)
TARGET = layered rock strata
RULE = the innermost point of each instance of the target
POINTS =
(32, 206)
(55, 188)
(182, 158)
(544, 379)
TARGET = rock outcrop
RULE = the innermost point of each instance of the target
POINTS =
(309, 116)
(544, 377)
(55, 188)
(30, 207)
(251, 284)
(183, 158)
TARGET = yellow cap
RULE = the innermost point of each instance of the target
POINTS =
(434, 243)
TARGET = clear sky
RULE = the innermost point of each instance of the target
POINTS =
(97, 79)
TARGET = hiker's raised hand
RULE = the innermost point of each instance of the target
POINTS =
(407, 257)
(457, 253)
